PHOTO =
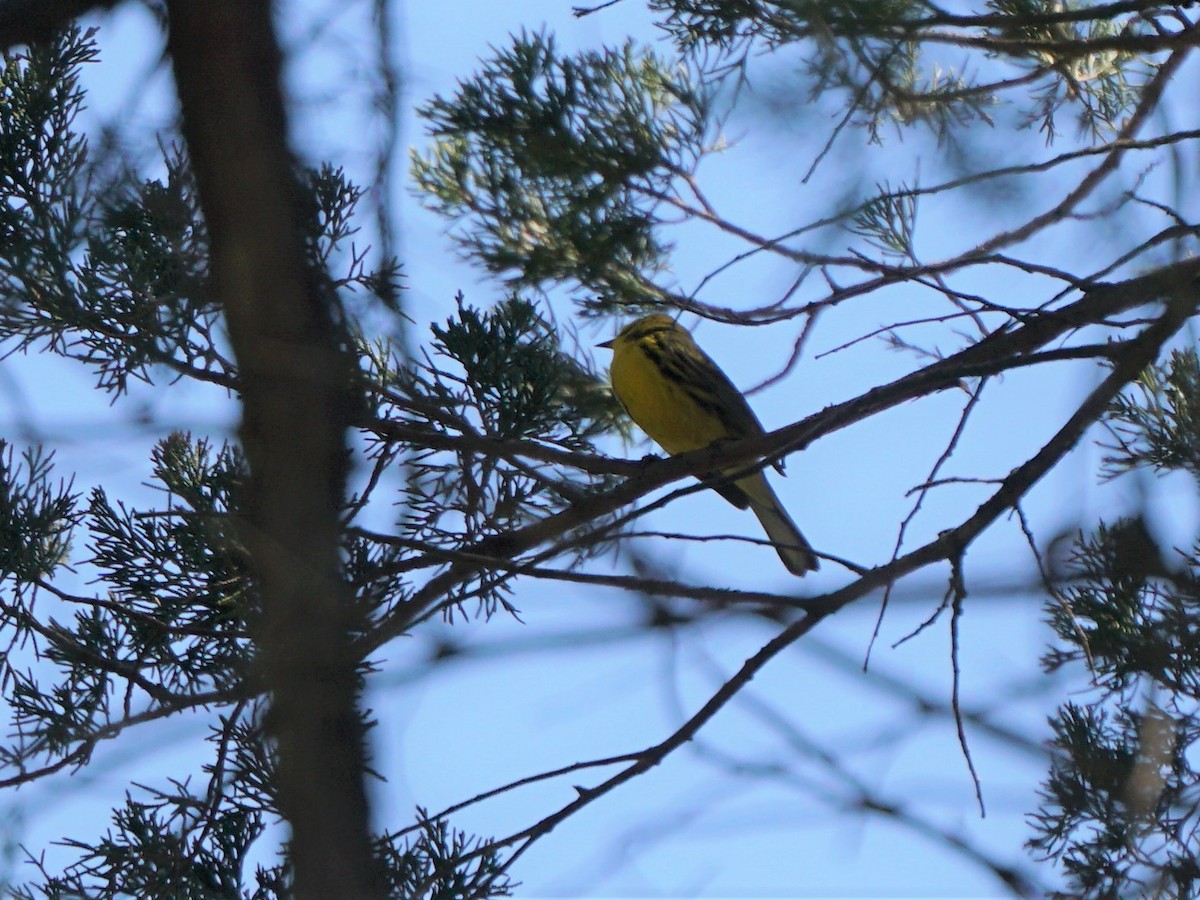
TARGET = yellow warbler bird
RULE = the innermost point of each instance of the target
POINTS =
(675, 392)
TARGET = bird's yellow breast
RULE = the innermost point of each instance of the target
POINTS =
(670, 415)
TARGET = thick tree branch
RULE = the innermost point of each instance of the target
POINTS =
(295, 377)
(26, 21)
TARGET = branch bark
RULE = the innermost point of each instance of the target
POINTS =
(295, 378)
(27, 21)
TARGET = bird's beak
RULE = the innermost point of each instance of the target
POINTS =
(607, 345)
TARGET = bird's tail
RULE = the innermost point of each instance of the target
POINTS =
(796, 553)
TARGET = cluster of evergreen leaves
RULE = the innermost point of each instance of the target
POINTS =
(552, 165)
(1121, 804)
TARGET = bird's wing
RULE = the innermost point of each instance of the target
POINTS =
(715, 392)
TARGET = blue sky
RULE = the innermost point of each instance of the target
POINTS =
(565, 685)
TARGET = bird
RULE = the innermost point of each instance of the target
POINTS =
(679, 396)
